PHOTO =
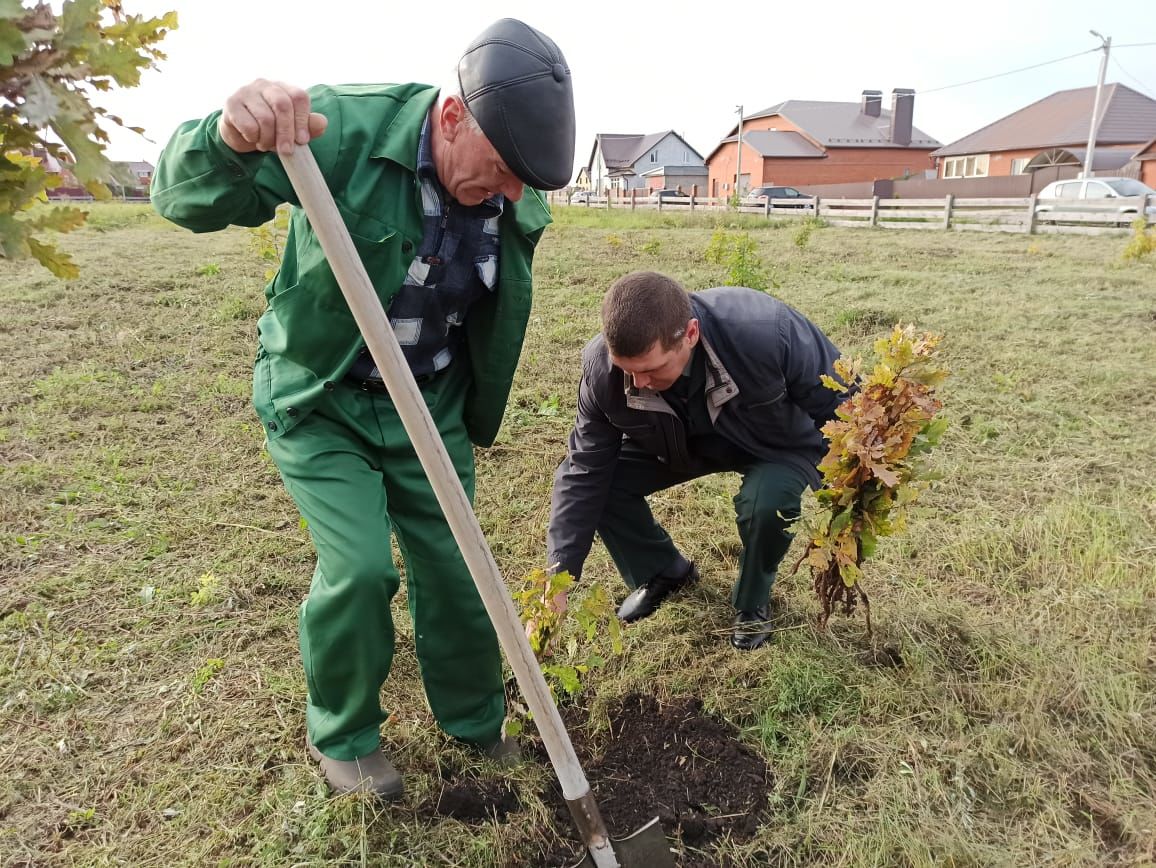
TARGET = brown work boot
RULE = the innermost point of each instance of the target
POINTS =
(372, 773)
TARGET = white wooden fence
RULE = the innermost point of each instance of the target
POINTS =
(949, 213)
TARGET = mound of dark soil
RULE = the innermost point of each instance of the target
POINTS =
(470, 800)
(672, 760)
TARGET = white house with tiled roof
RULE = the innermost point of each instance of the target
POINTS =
(620, 161)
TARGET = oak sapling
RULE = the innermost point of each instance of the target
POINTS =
(875, 466)
(599, 631)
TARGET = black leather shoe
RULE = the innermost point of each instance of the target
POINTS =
(752, 629)
(643, 602)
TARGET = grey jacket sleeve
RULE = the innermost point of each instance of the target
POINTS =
(582, 483)
(807, 354)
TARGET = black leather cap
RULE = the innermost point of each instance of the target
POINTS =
(517, 86)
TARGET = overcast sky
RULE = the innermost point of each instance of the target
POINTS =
(646, 67)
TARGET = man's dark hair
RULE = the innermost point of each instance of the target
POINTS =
(641, 308)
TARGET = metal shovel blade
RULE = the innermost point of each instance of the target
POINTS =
(646, 848)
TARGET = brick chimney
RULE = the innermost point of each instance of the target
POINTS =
(872, 103)
(902, 110)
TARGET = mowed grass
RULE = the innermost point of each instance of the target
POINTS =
(151, 697)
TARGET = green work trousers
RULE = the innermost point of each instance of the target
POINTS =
(768, 499)
(356, 479)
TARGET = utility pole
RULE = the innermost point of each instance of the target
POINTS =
(1106, 46)
(739, 167)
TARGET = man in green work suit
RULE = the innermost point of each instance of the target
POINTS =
(440, 193)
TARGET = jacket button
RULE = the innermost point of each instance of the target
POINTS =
(272, 426)
(407, 247)
(329, 387)
(291, 412)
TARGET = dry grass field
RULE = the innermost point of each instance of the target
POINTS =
(151, 697)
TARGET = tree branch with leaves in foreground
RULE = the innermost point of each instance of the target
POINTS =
(51, 65)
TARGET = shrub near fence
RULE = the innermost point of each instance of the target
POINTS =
(1014, 214)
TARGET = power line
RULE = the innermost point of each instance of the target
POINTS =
(1037, 66)
(1011, 71)
(1143, 86)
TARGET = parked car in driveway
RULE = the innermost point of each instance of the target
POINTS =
(668, 196)
(759, 194)
(1096, 195)
(580, 197)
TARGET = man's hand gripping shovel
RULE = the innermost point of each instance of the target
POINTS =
(645, 848)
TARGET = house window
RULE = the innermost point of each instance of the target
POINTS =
(974, 166)
(1018, 165)
(653, 156)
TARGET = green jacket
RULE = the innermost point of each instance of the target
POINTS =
(368, 153)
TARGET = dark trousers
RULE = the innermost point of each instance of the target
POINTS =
(767, 501)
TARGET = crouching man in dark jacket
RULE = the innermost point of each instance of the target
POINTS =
(678, 386)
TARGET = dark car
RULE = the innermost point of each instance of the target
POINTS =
(668, 195)
(759, 194)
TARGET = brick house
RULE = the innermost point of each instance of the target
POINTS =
(802, 142)
(131, 177)
(620, 162)
(1146, 157)
(134, 173)
(1051, 135)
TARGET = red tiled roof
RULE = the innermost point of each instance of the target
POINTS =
(840, 124)
(623, 150)
(1062, 119)
(778, 143)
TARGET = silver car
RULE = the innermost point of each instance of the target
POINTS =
(782, 197)
(1097, 195)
